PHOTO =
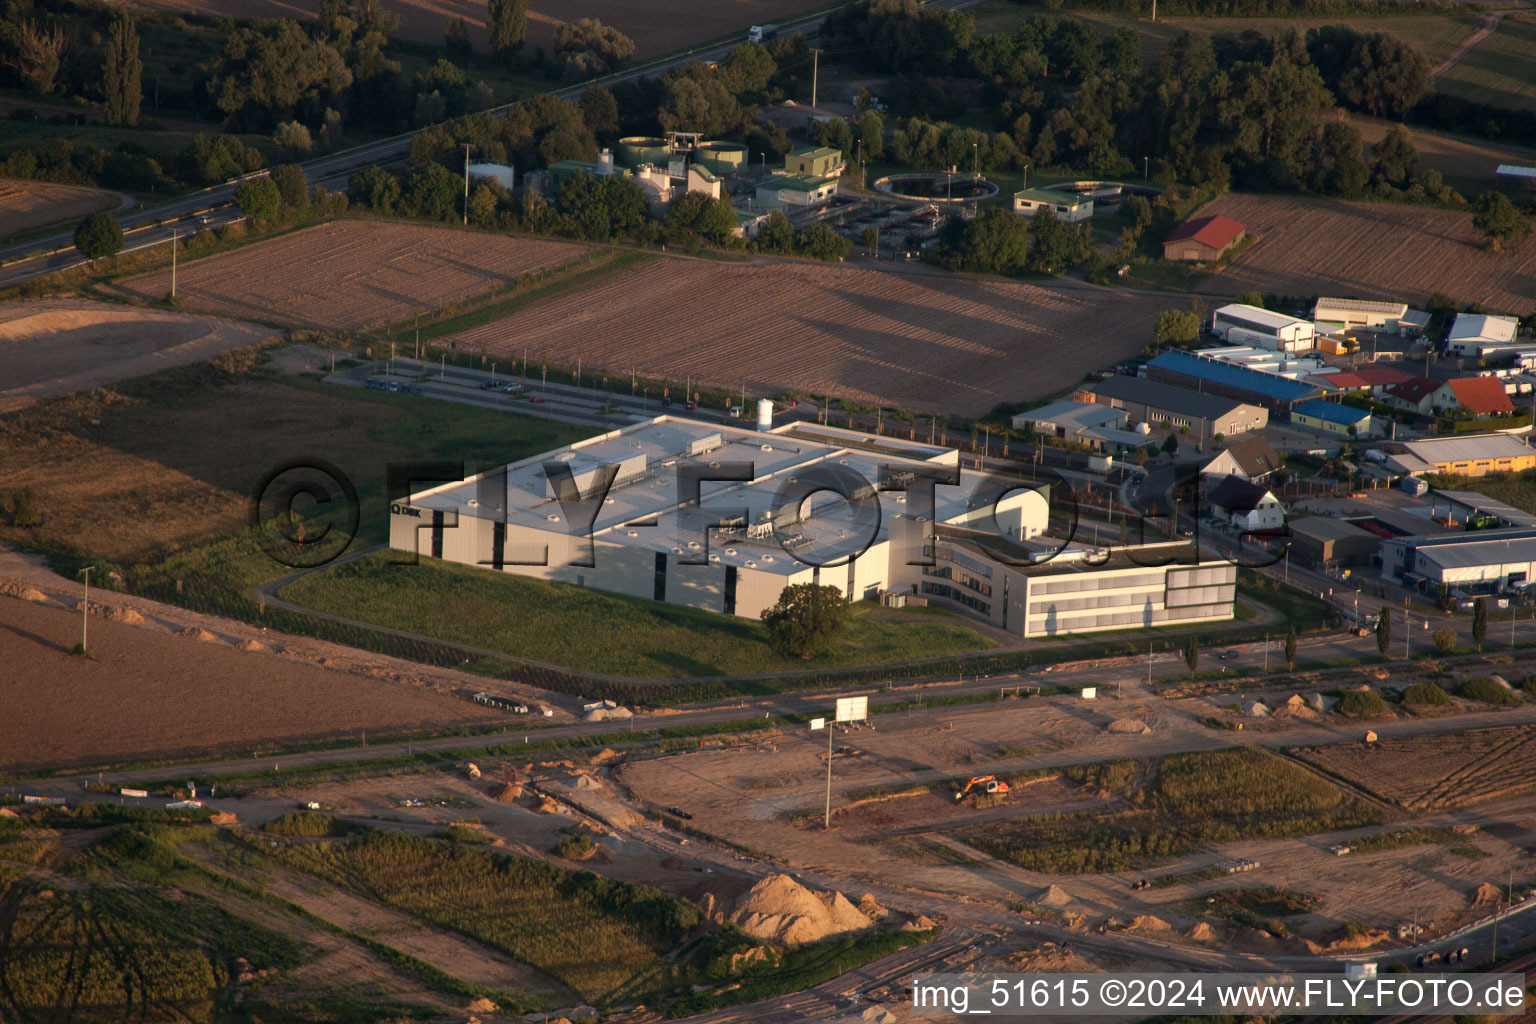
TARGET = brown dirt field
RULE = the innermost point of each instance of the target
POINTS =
(657, 28)
(922, 341)
(29, 205)
(1435, 772)
(149, 695)
(1466, 164)
(61, 346)
(353, 274)
(1371, 251)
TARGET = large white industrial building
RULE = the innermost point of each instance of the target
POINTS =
(1239, 324)
(978, 547)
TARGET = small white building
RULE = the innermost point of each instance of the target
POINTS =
(797, 190)
(1352, 313)
(1473, 334)
(1239, 324)
(1068, 206)
(1247, 506)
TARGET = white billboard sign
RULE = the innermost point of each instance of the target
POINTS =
(818, 723)
(852, 709)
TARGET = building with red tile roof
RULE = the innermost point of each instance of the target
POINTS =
(1482, 396)
(1203, 238)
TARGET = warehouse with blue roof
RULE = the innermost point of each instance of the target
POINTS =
(1332, 417)
(1277, 393)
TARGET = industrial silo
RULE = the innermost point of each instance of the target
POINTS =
(643, 149)
(721, 158)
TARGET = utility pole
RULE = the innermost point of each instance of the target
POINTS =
(85, 608)
(467, 148)
(173, 263)
(815, 71)
(1266, 653)
(827, 821)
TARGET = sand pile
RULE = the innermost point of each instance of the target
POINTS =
(506, 792)
(1256, 710)
(125, 615)
(1487, 893)
(548, 806)
(1053, 896)
(606, 755)
(587, 782)
(28, 594)
(251, 645)
(1149, 923)
(1202, 932)
(198, 633)
(869, 908)
(481, 1005)
(1317, 702)
(920, 923)
(1129, 727)
(782, 910)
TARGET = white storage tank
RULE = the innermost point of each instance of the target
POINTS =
(501, 172)
(765, 414)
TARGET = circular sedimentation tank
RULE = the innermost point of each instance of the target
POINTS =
(937, 187)
(643, 149)
(721, 157)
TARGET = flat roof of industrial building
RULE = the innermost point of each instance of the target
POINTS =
(1217, 371)
(1051, 195)
(1326, 528)
(645, 511)
(1165, 396)
(1330, 412)
(1473, 500)
(1468, 449)
(1258, 316)
(1481, 548)
(1077, 415)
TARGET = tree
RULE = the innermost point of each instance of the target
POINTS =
(1192, 653)
(484, 201)
(599, 110)
(259, 199)
(776, 235)
(375, 188)
(1479, 623)
(293, 137)
(1384, 631)
(507, 23)
(292, 184)
(589, 48)
(264, 73)
(1392, 158)
(699, 215)
(807, 621)
(870, 236)
(432, 191)
(1054, 245)
(99, 236)
(1177, 328)
(1445, 639)
(25, 512)
(1171, 445)
(820, 242)
(1498, 220)
(37, 53)
(456, 38)
(1290, 648)
(121, 72)
(872, 134)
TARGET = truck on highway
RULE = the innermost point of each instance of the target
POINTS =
(762, 33)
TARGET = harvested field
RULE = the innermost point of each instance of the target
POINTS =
(61, 346)
(28, 205)
(656, 28)
(1497, 70)
(353, 274)
(922, 341)
(136, 699)
(1434, 772)
(1371, 251)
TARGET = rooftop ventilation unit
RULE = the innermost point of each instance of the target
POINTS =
(700, 445)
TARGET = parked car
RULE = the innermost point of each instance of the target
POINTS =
(514, 386)
(487, 384)
(416, 389)
(691, 405)
(735, 410)
(1229, 654)
(539, 398)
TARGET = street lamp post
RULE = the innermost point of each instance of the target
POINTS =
(85, 608)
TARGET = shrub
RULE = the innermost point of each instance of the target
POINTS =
(1445, 639)
(574, 847)
(1426, 694)
(463, 834)
(1362, 704)
(259, 198)
(308, 825)
(1486, 690)
(24, 508)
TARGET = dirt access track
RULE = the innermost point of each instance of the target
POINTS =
(657, 27)
(60, 346)
(353, 275)
(1371, 251)
(29, 205)
(923, 341)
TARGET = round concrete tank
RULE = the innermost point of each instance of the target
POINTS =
(643, 149)
(765, 414)
(721, 158)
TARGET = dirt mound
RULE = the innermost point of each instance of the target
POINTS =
(1201, 932)
(587, 782)
(28, 594)
(920, 923)
(198, 633)
(869, 908)
(781, 909)
(606, 755)
(125, 615)
(251, 645)
(1053, 896)
(1487, 893)
(1149, 923)
(548, 806)
(1129, 727)
(505, 792)
(481, 1005)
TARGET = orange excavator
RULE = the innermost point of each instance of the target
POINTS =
(988, 784)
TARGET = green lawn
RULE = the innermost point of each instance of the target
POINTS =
(1500, 70)
(595, 631)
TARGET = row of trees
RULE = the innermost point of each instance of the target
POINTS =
(998, 241)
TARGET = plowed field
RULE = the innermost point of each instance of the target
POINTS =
(1433, 772)
(28, 205)
(927, 342)
(1372, 251)
(353, 274)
